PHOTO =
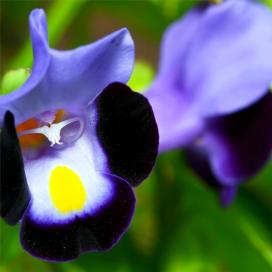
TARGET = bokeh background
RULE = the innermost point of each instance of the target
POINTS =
(179, 224)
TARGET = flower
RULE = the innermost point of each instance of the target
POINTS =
(211, 94)
(85, 138)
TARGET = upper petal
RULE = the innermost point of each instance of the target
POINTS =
(235, 66)
(68, 79)
(219, 56)
(25, 101)
(77, 76)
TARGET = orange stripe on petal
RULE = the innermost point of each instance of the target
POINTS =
(35, 140)
(31, 140)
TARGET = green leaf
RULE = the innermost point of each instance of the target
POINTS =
(268, 3)
(13, 79)
(257, 239)
(142, 76)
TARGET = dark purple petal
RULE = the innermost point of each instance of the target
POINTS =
(106, 227)
(100, 231)
(14, 193)
(50, 242)
(68, 79)
(127, 131)
(240, 144)
(197, 158)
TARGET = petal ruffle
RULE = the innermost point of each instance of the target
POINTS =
(69, 79)
(239, 144)
(14, 193)
(91, 232)
(127, 131)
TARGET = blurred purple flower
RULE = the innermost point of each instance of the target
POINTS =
(73, 191)
(211, 94)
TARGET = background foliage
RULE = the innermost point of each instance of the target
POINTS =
(178, 225)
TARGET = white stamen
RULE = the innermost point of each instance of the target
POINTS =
(52, 133)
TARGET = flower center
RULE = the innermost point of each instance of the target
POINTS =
(33, 142)
(67, 191)
(53, 131)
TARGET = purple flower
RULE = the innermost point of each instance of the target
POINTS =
(84, 140)
(211, 94)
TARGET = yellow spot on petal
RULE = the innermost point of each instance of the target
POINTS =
(67, 191)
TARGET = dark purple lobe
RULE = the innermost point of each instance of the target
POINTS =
(100, 231)
(14, 193)
(127, 131)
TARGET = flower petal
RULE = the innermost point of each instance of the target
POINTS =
(79, 158)
(91, 232)
(234, 65)
(239, 144)
(25, 102)
(227, 195)
(178, 122)
(74, 207)
(198, 159)
(127, 131)
(76, 77)
(13, 187)
(222, 58)
(69, 79)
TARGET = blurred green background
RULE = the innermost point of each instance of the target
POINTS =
(178, 224)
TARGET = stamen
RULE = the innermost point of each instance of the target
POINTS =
(52, 132)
